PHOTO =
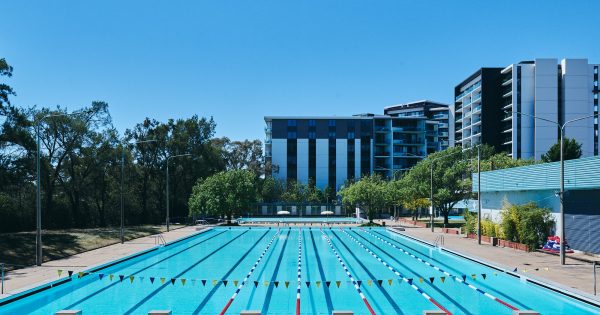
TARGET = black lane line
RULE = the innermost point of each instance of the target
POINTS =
(153, 293)
(384, 292)
(307, 268)
(224, 277)
(457, 272)
(410, 271)
(322, 273)
(265, 308)
(145, 268)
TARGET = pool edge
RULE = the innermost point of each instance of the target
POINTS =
(548, 284)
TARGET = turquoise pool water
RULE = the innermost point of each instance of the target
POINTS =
(279, 270)
(300, 220)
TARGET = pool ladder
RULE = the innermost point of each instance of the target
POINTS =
(439, 241)
(159, 240)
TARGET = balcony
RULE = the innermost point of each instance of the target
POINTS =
(507, 81)
(408, 129)
(507, 105)
(381, 129)
(477, 109)
(440, 116)
(443, 134)
(507, 94)
(467, 91)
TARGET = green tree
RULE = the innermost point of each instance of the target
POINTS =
(271, 189)
(526, 223)
(571, 150)
(226, 193)
(369, 193)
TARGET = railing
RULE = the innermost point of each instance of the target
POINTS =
(469, 90)
(439, 241)
(159, 240)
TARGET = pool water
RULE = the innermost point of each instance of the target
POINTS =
(280, 271)
(300, 220)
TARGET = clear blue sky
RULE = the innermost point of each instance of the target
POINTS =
(241, 60)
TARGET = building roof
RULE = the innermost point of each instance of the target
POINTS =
(581, 173)
(415, 103)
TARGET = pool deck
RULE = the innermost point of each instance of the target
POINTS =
(22, 279)
(575, 274)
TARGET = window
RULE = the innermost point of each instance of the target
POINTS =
(331, 134)
(312, 135)
(331, 123)
(291, 135)
(291, 122)
(350, 134)
(312, 123)
(596, 70)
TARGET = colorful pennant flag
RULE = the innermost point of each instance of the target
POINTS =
(225, 282)
(214, 283)
(390, 281)
(266, 283)
(162, 280)
(59, 272)
(318, 284)
(287, 284)
(70, 272)
(204, 282)
(152, 280)
(328, 283)
(276, 283)
(338, 283)
(379, 282)
(110, 277)
(173, 281)
(100, 276)
(431, 279)
(255, 284)
(182, 282)
(421, 280)
(235, 283)
(79, 274)
(443, 279)
(369, 282)
(121, 277)
(474, 276)
(131, 279)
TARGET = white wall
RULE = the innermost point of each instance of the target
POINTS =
(357, 161)
(279, 158)
(527, 107)
(322, 167)
(302, 160)
(576, 88)
(546, 104)
(341, 162)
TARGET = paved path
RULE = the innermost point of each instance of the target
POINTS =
(575, 274)
(22, 279)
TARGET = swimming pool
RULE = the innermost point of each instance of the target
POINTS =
(280, 271)
(301, 220)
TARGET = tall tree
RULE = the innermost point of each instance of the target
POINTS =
(571, 150)
(369, 193)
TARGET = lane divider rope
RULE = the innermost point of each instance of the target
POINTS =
(412, 285)
(459, 279)
(356, 286)
(299, 272)
(249, 273)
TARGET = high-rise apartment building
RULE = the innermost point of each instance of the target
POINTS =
(331, 150)
(496, 106)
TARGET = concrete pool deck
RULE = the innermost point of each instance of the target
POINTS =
(575, 274)
(29, 277)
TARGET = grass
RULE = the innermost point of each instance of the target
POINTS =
(19, 248)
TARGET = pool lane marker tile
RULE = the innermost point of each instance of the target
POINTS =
(299, 272)
(356, 286)
(412, 285)
(461, 279)
(250, 273)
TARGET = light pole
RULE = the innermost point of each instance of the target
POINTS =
(167, 188)
(122, 233)
(479, 195)
(38, 193)
(561, 128)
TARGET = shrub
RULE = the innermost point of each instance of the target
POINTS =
(470, 222)
(527, 224)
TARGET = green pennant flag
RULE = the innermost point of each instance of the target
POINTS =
(421, 280)
(369, 282)
(266, 283)
(318, 284)
(131, 279)
(162, 280)
(338, 283)
(235, 282)
(182, 282)
(443, 279)
(59, 272)
(390, 281)
(214, 283)
(111, 276)
(80, 274)
(474, 276)
(287, 284)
